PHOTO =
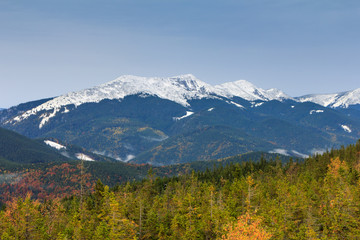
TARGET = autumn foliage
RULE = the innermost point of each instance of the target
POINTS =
(318, 198)
(247, 228)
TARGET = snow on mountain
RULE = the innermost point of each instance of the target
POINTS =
(188, 114)
(289, 153)
(321, 99)
(236, 104)
(276, 94)
(316, 111)
(249, 91)
(346, 128)
(333, 100)
(298, 154)
(179, 89)
(84, 157)
(54, 145)
(280, 151)
(349, 98)
(254, 104)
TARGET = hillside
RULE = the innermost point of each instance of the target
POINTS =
(17, 149)
(55, 179)
(317, 198)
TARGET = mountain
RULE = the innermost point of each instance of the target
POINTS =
(178, 89)
(250, 92)
(335, 100)
(182, 119)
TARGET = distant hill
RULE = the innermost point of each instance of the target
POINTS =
(59, 179)
(17, 149)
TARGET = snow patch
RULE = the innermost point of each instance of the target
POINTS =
(259, 104)
(236, 104)
(316, 111)
(84, 157)
(280, 151)
(46, 117)
(346, 128)
(296, 153)
(54, 145)
(188, 113)
(128, 158)
(289, 153)
(66, 110)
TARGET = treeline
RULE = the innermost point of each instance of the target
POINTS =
(54, 179)
(318, 198)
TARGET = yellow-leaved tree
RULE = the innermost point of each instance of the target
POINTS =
(247, 227)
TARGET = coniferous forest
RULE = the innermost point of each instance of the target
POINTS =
(316, 198)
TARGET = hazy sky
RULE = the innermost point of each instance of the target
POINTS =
(50, 47)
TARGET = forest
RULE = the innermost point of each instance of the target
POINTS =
(315, 198)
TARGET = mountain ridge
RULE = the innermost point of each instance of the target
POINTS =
(181, 119)
(178, 89)
(334, 100)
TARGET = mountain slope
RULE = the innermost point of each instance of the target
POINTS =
(250, 92)
(18, 149)
(179, 119)
(116, 129)
(207, 143)
(177, 89)
(335, 100)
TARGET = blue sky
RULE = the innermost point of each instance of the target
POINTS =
(50, 47)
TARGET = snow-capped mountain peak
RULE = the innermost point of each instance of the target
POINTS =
(334, 100)
(348, 98)
(250, 92)
(178, 89)
(191, 83)
(276, 94)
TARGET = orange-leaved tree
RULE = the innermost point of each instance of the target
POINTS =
(247, 227)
